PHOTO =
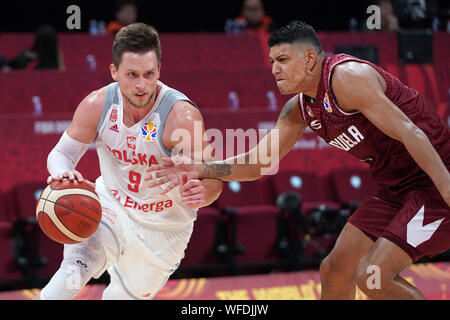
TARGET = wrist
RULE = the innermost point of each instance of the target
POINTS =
(201, 170)
(215, 169)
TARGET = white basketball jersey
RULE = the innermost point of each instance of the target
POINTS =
(124, 154)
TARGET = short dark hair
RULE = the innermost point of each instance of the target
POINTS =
(137, 38)
(296, 31)
(119, 4)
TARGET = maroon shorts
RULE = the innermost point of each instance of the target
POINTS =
(418, 222)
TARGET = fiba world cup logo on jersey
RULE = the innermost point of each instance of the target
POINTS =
(326, 103)
(149, 131)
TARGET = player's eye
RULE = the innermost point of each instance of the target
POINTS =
(131, 74)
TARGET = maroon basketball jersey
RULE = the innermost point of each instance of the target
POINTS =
(390, 163)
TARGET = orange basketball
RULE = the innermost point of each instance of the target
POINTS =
(68, 212)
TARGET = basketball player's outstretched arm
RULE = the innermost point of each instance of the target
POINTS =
(358, 86)
(267, 154)
(183, 133)
(62, 160)
(250, 165)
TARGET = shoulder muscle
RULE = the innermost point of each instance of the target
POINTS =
(354, 84)
(86, 117)
(183, 119)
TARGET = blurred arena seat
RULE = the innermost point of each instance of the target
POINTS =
(204, 255)
(5, 207)
(211, 51)
(251, 214)
(205, 66)
(441, 49)
(258, 239)
(10, 275)
(61, 92)
(40, 256)
(11, 44)
(58, 92)
(313, 190)
(352, 186)
(189, 51)
(386, 42)
(210, 88)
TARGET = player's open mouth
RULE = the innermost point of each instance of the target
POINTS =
(140, 95)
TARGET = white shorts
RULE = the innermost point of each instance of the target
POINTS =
(139, 259)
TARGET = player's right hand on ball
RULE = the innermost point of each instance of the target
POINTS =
(72, 175)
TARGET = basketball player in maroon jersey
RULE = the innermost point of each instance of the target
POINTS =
(358, 107)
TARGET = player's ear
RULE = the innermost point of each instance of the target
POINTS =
(311, 59)
(113, 69)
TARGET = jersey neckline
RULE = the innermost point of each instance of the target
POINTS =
(148, 115)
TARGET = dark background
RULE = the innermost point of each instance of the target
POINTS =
(189, 16)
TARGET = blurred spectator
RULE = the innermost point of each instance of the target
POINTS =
(125, 13)
(44, 54)
(389, 21)
(253, 18)
(416, 14)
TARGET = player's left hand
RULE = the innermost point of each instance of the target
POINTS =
(192, 192)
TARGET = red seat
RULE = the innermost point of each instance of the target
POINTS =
(255, 224)
(441, 48)
(201, 247)
(25, 197)
(8, 270)
(58, 92)
(257, 234)
(209, 89)
(239, 194)
(352, 184)
(5, 207)
(313, 190)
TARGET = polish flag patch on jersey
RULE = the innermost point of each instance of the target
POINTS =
(131, 142)
(149, 131)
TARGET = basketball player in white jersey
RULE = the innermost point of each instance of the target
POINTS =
(144, 232)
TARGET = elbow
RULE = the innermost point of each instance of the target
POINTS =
(412, 131)
(258, 175)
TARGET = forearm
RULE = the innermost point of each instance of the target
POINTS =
(65, 155)
(213, 189)
(427, 158)
(248, 166)
(236, 168)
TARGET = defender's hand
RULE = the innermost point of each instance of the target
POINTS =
(192, 192)
(171, 171)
